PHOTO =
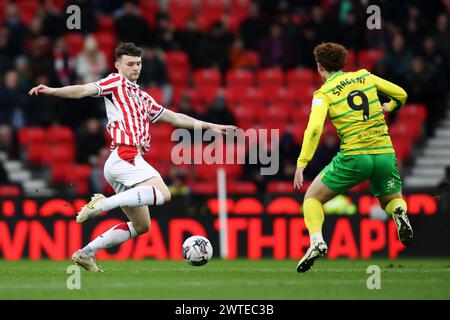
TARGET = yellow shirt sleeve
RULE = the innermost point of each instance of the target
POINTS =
(319, 110)
(397, 95)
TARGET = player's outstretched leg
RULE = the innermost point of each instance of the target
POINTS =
(397, 208)
(139, 223)
(314, 217)
(134, 197)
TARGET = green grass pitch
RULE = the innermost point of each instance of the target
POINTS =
(238, 279)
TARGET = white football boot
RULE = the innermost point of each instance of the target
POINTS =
(87, 263)
(92, 209)
(404, 229)
(319, 249)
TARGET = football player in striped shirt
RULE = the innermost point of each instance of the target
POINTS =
(130, 112)
(366, 152)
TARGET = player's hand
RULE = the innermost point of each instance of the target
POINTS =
(298, 179)
(222, 129)
(384, 106)
(41, 89)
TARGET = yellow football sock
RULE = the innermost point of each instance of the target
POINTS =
(398, 202)
(313, 212)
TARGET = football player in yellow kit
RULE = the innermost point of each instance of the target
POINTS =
(366, 152)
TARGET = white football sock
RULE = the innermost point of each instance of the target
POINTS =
(135, 197)
(316, 237)
(113, 237)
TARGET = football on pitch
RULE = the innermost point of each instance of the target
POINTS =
(197, 250)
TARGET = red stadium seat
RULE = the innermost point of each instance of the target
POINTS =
(240, 78)
(75, 43)
(254, 59)
(27, 9)
(245, 113)
(7, 190)
(177, 59)
(31, 135)
(106, 41)
(149, 10)
(212, 6)
(156, 93)
(413, 111)
(300, 113)
(297, 130)
(62, 172)
(81, 175)
(409, 129)
(402, 147)
(282, 95)
(297, 76)
(106, 23)
(273, 113)
(180, 11)
(240, 8)
(367, 59)
(270, 79)
(245, 96)
(207, 78)
(60, 135)
(206, 19)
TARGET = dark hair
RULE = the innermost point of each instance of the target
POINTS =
(129, 49)
(331, 56)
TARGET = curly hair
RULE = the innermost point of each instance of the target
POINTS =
(331, 56)
(129, 49)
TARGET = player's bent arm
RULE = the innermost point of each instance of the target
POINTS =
(394, 92)
(70, 92)
(313, 131)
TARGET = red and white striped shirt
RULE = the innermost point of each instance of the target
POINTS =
(129, 111)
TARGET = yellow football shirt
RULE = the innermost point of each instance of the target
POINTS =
(350, 99)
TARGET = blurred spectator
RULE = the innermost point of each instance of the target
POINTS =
(277, 49)
(154, 71)
(97, 181)
(6, 52)
(23, 73)
(397, 60)
(90, 139)
(177, 182)
(189, 40)
(442, 35)
(325, 152)
(12, 100)
(91, 62)
(219, 113)
(39, 50)
(131, 26)
(3, 174)
(419, 88)
(253, 28)
(16, 28)
(43, 110)
(351, 36)
(214, 48)
(239, 57)
(165, 34)
(289, 152)
(7, 140)
(185, 106)
(65, 65)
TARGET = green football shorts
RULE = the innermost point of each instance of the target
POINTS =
(345, 172)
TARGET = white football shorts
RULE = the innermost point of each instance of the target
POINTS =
(126, 167)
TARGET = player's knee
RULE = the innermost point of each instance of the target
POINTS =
(167, 196)
(142, 228)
